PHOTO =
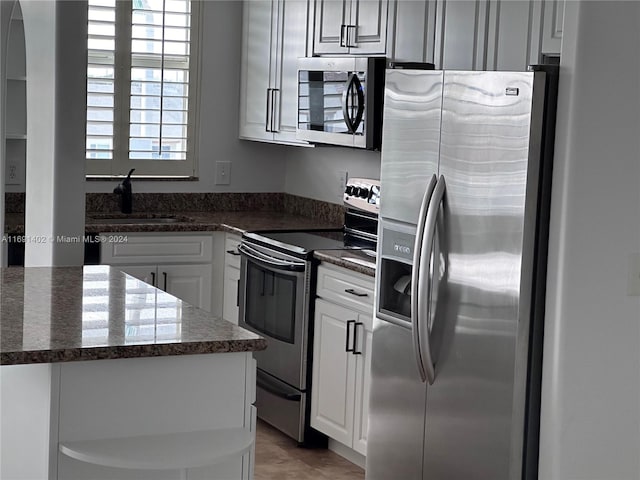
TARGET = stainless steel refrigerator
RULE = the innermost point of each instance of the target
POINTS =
(457, 340)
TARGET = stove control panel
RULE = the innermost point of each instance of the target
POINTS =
(363, 194)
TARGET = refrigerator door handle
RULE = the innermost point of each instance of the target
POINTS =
(417, 255)
(424, 276)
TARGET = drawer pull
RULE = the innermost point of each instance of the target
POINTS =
(233, 252)
(351, 291)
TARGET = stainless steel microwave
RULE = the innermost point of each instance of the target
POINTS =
(340, 100)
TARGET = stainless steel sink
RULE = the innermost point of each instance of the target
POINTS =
(138, 219)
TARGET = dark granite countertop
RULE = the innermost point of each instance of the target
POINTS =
(231, 221)
(351, 259)
(228, 221)
(63, 314)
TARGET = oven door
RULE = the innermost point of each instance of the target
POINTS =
(273, 303)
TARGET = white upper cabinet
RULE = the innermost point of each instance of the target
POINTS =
(552, 31)
(274, 36)
(356, 27)
(514, 34)
(476, 34)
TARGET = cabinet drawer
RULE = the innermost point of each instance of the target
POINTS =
(345, 288)
(231, 254)
(157, 248)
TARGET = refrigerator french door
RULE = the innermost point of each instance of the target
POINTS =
(461, 267)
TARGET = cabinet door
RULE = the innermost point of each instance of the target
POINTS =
(191, 283)
(460, 34)
(514, 34)
(370, 19)
(333, 389)
(331, 18)
(552, 28)
(230, 308)
(413, 31)
(258, 34)
(146, 273)
(292, 44)
(363, 383)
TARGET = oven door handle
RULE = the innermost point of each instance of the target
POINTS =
(269, 261)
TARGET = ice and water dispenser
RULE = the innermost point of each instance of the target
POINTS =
(395, 268)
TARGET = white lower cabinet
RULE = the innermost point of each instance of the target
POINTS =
(230, 299)
(342, 357)
(178, 264)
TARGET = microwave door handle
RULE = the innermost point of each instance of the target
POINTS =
(417, 255)
(359, 94)
(425, 281)
(345, 103)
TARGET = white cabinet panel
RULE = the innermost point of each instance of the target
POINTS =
(338, 285)
(370, 19)
(292, 45)
(552, 31)
(333, 389)
(363, 385)
(357, 27)
(274, 37)
(178, 264)
(460, 34)
(230, 307)
(514, 34)
(191, 283)
(414, 31)
(157, 248)
(256, 77)
(341, 358)
(331, 18)
(146, 273)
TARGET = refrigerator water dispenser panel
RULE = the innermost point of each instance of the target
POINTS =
(395, 270)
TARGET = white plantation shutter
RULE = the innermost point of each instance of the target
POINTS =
(100, 80)
(150, 47)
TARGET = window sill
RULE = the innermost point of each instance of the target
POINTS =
(155, 178)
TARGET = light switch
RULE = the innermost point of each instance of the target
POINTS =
(633, 285)
(223, 173)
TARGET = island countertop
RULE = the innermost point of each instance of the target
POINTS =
(62, 314)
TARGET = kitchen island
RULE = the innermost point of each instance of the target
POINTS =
(105, 377)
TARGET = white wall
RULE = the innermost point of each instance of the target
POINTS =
(590, 422)
(255, 167)
(314, 172)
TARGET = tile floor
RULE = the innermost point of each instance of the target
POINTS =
(279, 458)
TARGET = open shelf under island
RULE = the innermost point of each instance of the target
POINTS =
(105, 377)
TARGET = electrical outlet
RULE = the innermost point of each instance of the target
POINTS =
(12, 172)
(342, 181)
(223, 173)
(633, 284)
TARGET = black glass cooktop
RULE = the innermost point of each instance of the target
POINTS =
(302, 243)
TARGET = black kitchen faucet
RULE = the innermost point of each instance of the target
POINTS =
(124, 189)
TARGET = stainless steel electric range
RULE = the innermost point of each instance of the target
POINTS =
(277, 281)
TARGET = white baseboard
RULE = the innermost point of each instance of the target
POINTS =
(347, 453)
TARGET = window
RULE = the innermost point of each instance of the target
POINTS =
(141, 87)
